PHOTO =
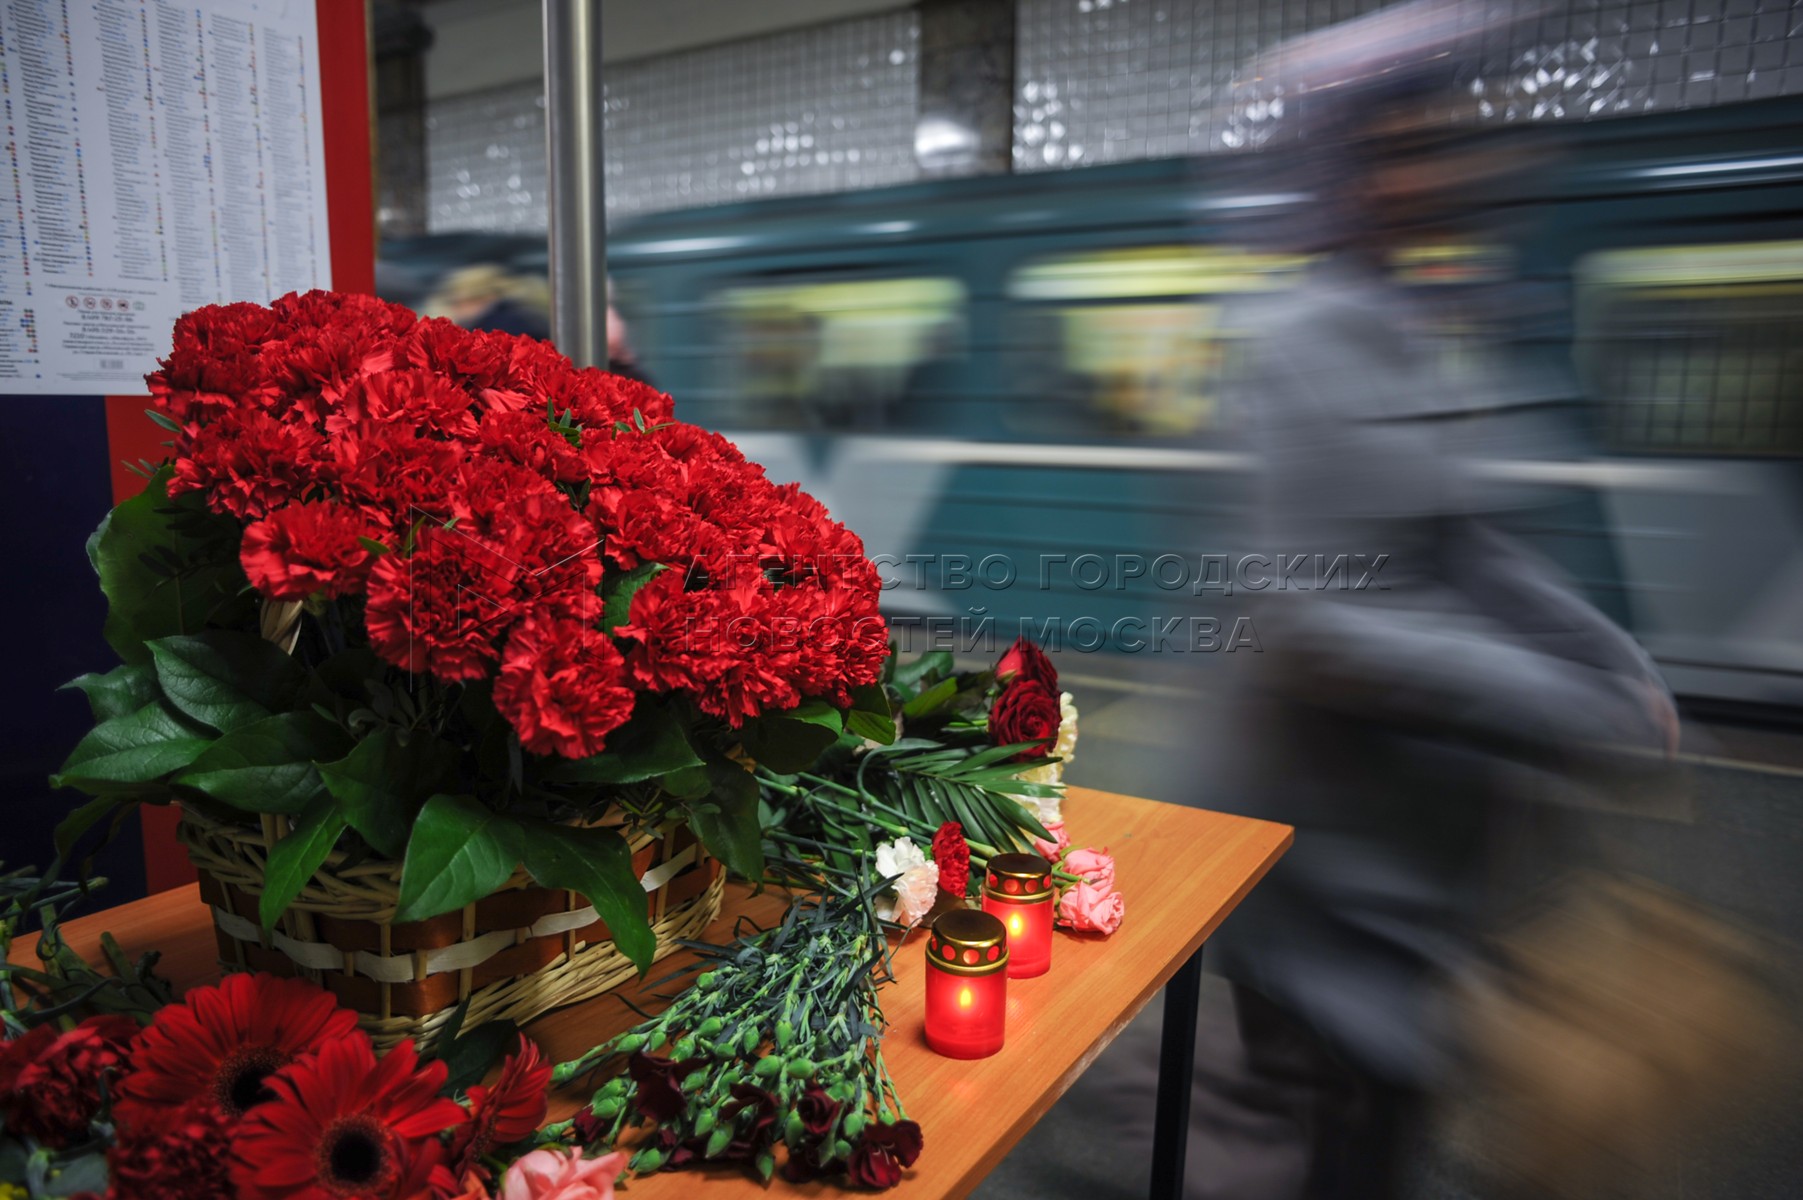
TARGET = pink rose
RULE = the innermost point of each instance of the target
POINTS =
(1092, 866)
(1087, 908)
(1056, 847)
(562, 1175)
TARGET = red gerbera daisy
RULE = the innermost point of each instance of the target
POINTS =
(344, 1124)
(508, 1112)
(222, 1043)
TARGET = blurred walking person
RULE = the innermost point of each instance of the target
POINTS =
(1395, 717)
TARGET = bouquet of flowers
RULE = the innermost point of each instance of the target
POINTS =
(777, 1047)
(440, 596)
(259, 1088)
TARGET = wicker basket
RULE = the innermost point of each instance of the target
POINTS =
(515, 954)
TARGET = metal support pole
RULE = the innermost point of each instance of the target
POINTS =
(573, 116)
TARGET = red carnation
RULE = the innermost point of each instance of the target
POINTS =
(1026, 711)
(952, 853)
(50, 1082)
(422, 401)
(221, 1043)
(307, 548)
(439, 610)
(248, 462)
(344, 1124)
(1024, 660)
(526, 437)
(178, 1155)
(562, 687)
(880, 1156)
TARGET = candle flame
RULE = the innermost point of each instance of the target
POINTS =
(1014, 925)
(964, 997)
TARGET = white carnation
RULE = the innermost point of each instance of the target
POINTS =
(915, 889)
(1066, 745)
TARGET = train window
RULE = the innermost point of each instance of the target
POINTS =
(1132, 342)
(1696, 349)
(837, 354)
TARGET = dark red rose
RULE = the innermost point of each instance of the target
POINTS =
(819, 1112)
(880, 1156)
(1026, 711)
(752, 1111)
(658, 1095)
(952, 853)
(1024, 660)
(302, 549)
(50, 1082)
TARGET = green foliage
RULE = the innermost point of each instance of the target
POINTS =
(460, 851)
(294, 858)
(166, 567)
(381, 784)
(226, 679)
(727, 821)
(596, 863)
(124, 689)
(268, 766)
(126, 755)
(791, 740)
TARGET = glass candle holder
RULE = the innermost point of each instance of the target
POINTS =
(967, 984)
(1018, 891)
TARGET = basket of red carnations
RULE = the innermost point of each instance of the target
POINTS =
(457, 657)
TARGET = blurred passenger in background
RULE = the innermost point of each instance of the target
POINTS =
(1399, 718)
(486, 296)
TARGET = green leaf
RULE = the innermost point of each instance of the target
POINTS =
(597, 863)
(617, 609)
(931, 700)
(383, 781)
(138, 748)
(870, 716)
(122, 690)
(460, 851)
(268, 766)
(166, 567)
(727, 822)
(226, 679)
(71, 827)
(471, 1055)
(293, 859)
(933, 662)
(791, 741)
(654, 742)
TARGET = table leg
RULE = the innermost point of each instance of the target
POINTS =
(1176, 1075)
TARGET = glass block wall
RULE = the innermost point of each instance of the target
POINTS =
(823, 109)
(833, 107)
(1107, 80)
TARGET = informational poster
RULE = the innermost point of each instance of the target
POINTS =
(158, 156)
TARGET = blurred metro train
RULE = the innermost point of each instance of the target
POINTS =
(1021, 371)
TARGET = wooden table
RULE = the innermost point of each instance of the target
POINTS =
(1180, 870)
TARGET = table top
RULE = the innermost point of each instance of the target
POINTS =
(1180, 871)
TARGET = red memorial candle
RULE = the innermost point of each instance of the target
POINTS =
(967, 984)
(1018, 892)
